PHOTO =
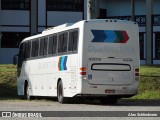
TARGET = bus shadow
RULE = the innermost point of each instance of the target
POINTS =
(139, 102)
(121, 102)
(129, 102)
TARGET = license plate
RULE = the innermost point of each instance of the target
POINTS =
(109, 91)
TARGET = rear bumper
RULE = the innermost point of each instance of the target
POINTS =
(97, 96)
(110, 90)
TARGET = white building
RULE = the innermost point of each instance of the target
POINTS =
(22, 18)
(121, 9)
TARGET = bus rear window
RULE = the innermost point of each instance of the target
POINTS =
(110, 67)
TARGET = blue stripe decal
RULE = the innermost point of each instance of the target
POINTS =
(110, 36)
(99, 35)
(63, 62)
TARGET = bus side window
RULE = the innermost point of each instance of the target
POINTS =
(43, 46)
(65, 39)
(70, 44)
(25, 51)
(52, 48)
(35, 47)
(27, 48)
(55, 44)
(73, 41)
(21, 54)
(60, 43)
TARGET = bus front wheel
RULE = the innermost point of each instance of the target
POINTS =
(61, 98)
(27, 94)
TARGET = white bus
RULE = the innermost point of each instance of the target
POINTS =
(91, 58)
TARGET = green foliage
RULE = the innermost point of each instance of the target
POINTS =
(8, 86)
(148, 95)
(150, 70)
(149, 86)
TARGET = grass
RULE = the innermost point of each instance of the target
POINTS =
(8, 83)
(149, 87)
(150, 70)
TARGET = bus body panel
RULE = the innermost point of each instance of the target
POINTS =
(111, 63)
(43, 75)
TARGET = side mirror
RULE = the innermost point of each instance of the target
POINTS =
(15, 59)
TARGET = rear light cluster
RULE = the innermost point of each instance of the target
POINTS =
(83, 71)
(137, 72)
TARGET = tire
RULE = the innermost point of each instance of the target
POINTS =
(28, 97)
(109, 101)
(60, 96)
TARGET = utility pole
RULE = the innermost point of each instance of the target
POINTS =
(34, 19)
(149, 32)
(132, 10)
(92, 9)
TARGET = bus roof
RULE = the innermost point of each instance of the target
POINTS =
(73, 25)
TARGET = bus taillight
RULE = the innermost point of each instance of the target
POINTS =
(137, 74)
(83, 68)
(83, 71)
(137, 70)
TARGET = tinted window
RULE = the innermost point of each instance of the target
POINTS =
(65, 5)
(62, 42)
(15, 4)
(12, 39)
(35, 47)
(73, 41)
(27, 49)
(157, 46)
(141, 41)
(43, 46)
(52, 44)
(65, 38)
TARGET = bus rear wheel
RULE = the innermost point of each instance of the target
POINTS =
(60, 96)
